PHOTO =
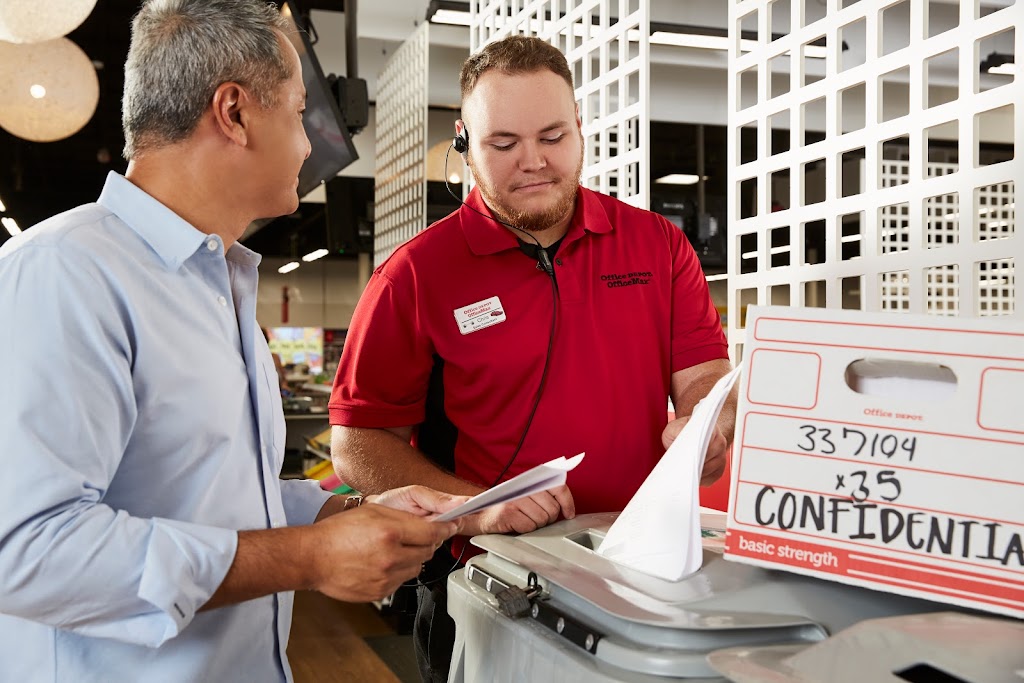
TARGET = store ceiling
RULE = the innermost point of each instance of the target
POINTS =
(38, 180)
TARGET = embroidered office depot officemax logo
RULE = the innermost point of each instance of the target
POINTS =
(628, 279)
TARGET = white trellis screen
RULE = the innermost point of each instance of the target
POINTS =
(606, 45)
(400, 179)
(894, 188)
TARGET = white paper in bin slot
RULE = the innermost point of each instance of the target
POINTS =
(659, 531)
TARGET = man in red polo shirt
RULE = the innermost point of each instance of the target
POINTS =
(539, 320)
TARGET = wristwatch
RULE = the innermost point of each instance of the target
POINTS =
(353, 502)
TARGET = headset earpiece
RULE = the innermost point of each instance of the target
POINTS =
(461, 141)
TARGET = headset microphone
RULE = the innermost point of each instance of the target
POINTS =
(545, 261)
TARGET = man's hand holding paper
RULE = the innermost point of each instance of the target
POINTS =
(716, 458)
(523, 515)
(530, 500)
(418, 500)
(658, 532)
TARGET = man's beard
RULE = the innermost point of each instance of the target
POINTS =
(537, 220)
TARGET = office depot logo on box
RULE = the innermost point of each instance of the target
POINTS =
(883, 450)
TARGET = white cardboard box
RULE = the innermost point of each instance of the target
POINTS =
(913, 483)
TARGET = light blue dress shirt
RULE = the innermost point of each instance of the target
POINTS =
(140, 428)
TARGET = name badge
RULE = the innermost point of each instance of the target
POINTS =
(479, 315)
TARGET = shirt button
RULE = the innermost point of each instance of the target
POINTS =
(212, 245)
(222, 301)
(558, 261)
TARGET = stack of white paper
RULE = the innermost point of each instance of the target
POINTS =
(659, 531)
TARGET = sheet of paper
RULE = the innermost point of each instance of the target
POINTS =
(659, 531)
(540, 478)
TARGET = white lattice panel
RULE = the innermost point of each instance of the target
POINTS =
(400, 179)
(606, 45)
(900, 184)
(941, 230)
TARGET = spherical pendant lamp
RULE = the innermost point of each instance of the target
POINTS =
(48, 90)
(35, 21)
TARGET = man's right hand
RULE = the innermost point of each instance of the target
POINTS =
(522, 515)
(367, 553)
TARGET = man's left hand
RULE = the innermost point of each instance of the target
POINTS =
(418, 500)
(718, 446)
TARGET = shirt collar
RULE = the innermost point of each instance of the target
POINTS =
(172, 237)
(485, 236)
(243, 255)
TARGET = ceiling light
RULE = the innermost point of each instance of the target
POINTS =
(448, 12)
(60, 70)
(313, 256)
(678, 179)
(3, 207)
(11, 225)
(662, 33)
(35, 21)
(983, 211)
(697, 40)
(713, 38)
(815, 51)
(998, 63)
(288, 267)
(454, 179)
(447, 16)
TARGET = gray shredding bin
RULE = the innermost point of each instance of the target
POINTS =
(596, 620)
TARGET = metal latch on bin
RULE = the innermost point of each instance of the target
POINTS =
(515, 602)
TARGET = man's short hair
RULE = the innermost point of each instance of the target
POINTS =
(513, 55)
(182, 51)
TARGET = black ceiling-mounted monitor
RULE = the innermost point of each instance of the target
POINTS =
(332, 148)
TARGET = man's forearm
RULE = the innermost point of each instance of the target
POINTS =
(376, 460)
(267, 561)
(361, 555)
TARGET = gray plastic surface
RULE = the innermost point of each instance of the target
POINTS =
(967, 647)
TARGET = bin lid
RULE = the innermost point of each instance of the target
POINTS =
(721, 596)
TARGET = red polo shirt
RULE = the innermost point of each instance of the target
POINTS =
(633, 308)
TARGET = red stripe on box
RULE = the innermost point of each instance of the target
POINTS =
(767, 548)
(954, 597)
(922, 576)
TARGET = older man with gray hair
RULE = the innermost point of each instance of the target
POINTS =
(145, 534)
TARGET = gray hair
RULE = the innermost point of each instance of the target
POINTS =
(182, 51)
